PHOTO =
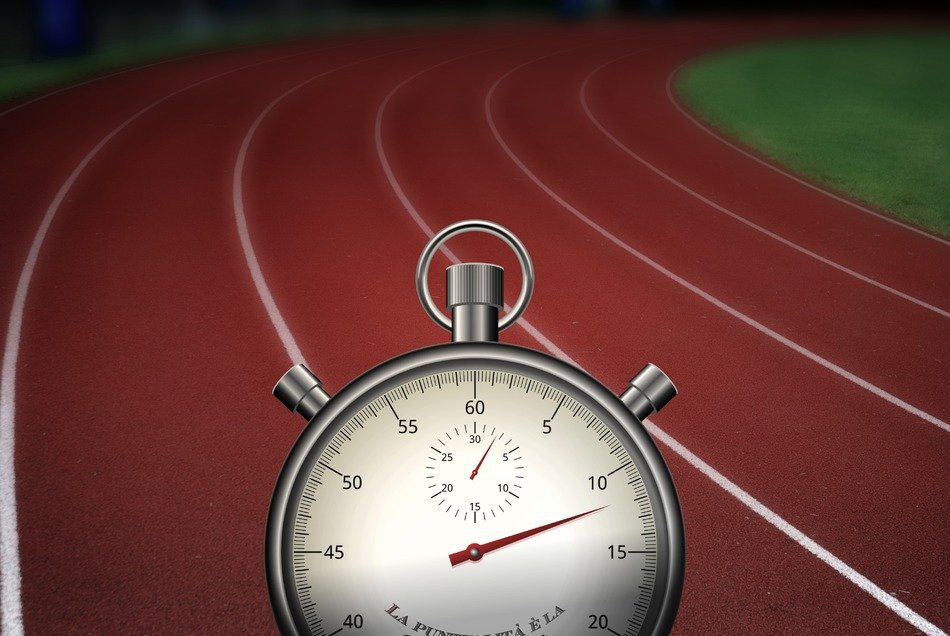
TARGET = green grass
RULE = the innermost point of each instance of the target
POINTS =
(865, 114)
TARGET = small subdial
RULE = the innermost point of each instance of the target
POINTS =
(475, 472)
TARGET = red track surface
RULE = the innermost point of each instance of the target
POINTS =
(147, 444)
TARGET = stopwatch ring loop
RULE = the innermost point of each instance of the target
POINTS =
(462, 227)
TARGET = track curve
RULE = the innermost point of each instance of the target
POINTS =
(144, 485)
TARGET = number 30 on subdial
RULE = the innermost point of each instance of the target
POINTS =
(475, 473)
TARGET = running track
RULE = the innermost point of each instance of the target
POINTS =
(147, 215)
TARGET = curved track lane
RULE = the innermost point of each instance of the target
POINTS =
(585, 104)
(147, 249)
(144, 485)
(766, 285)
(445, 163)
(909, 261)
(10, 568)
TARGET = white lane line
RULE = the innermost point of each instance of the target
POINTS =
(533, 331)
(796, 535)
(10, 599)
(775, 168)
(814, 357)
(260, 283)
(745, 498)
(795, 246)
(240, 217)
(411, 209)
(133, 69)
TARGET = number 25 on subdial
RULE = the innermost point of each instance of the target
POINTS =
(475, 473)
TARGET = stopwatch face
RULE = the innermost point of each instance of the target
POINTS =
(465, 494)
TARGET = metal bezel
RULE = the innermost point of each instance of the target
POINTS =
(626, 426)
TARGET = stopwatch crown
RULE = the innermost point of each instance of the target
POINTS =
(474, 284)
(475, 293)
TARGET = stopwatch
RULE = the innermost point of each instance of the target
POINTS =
(474, 487)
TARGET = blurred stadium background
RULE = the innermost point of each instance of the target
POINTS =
(45, 29)
(45, 44)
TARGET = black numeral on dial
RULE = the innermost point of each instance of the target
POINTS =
(333, 552)
(474, 407)
(598, 621)
(598, 483)
(618, 552)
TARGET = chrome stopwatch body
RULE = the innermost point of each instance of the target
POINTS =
(474, 488)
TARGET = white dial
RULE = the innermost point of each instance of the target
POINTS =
(473, 502)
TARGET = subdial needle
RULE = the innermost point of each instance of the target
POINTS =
(476, 551)
(482, 460)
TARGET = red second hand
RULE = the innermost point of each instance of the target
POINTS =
(475, 472)
(475, 552)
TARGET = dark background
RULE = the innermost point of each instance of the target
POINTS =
(45, 29)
